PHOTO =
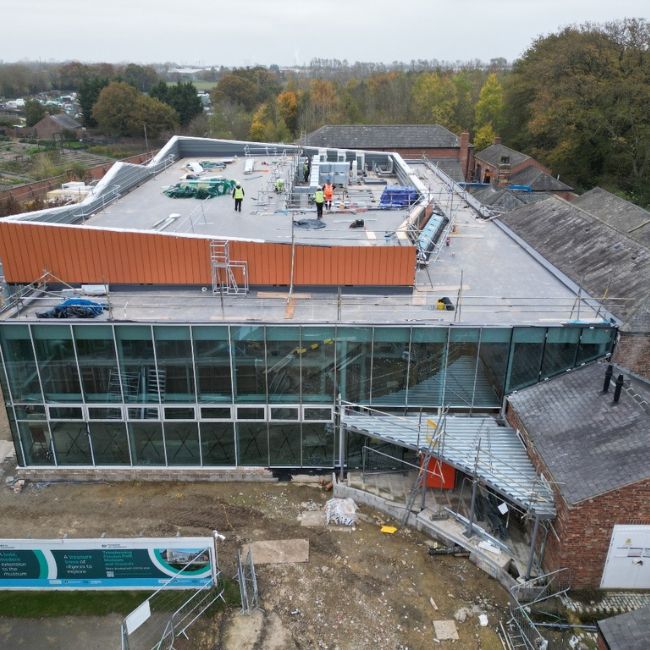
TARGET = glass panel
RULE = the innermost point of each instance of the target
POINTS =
(30, 411)
(110, 443)
(317, 414)
(108, 413)
(137, 364)
(318, 445)
(249, 365)
(37, 445)
(427, 365)
(251, 413)
(560, 350)
(212, 358)
(56, 363)
(283, 354)
(218, 443)
(148, 412)
(284, 413)
(390, 355)
(252, 443)
(66, 413)
(211, 413)
(20, 364)
(317, 364)
(353, 358)
(461, 376)
(182, 440)
(71, 443)
(180, 413)
(595, 342)
(526, 356)
(146, 443)
(284, 444)
(493, 363)
(97, 363)
(175, 366)
(13, 428)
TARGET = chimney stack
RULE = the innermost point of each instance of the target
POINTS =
(618, 389)
(608, 377)
(497, 140)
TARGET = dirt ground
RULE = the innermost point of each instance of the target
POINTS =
(360, 588)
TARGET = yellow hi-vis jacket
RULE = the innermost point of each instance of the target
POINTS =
(319, 197)
(238, 193)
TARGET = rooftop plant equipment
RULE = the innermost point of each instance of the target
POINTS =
(205, 188)
(397, 196)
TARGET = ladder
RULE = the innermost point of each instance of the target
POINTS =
(223, 268)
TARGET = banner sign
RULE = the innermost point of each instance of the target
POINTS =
(140, 563)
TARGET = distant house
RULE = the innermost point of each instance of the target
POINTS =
(452, 153)
(503, 166)
(594, 451)
(629, 631)
(52, 125)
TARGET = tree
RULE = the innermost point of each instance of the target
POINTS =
(122, 110)
(434, 99)
(287, 107)
(183, 99)
(236, 89)
(34, 112)
(141, 77)
(489, 108)
(484, 137)
(87, 96)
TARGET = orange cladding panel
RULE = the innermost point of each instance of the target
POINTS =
(95, 255)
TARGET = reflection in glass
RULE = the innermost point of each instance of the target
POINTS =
(249, 364)
(493, 363)
(146, 443)
(525, 356)
(390, 357)
(595, 342)
(71, 443)
(212, 359)
(426, 369)
(252, 443)
(318, 444)
(182, 441)
(317, 364)
(353, 361)
(56, 363)
(175, 365)
(37, 445)
(137, 364)
(97, 363)
(560, 350)
(462, 371)
(283, 355)
(284, 444)
(218, 443)
(110, 443)
(20, 364)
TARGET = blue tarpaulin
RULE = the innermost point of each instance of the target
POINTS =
(398, 196)
(75, 308)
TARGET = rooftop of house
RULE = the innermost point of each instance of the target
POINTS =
(589, 444)
(492, 155)
(539, 181)
(629, 631)
(63, 120)
(611, 266)
(386, 137)
(629, 219)
(504, 199)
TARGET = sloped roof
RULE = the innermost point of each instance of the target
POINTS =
(507, 199)
(589, 444)
(492, 155)
(626, 217)
(539, 180)
(451, 167)
(610, 266)
(382, 136)
(63, 120)
(629, 631)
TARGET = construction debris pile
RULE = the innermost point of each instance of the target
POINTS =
(205, 188)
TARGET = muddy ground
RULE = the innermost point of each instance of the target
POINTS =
(360, 589)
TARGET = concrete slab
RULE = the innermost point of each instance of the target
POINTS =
(6, 450)
(445, 630)
(312, 519)
(280, 551)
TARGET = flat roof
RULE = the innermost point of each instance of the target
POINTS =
(264, 215)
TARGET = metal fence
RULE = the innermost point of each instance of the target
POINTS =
(247, 582)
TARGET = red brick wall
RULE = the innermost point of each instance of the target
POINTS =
(585, 529)
(481, 167)
(633, 352)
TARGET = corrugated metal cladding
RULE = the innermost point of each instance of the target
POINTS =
(94, 255)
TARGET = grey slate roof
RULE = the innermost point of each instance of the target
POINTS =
(610, 266)
(382, 136)
(589, 445)
(451, 167)
(65, 121)
(506, 199)
(539, 180)
(629, 631)
(626, 217)
(492, 155)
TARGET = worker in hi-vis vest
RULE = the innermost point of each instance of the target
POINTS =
(238, 194)
(319, 199)
(328, 191)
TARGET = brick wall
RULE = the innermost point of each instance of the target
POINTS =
(633, 352)
(585, 529)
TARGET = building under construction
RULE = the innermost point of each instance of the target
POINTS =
(153, 326)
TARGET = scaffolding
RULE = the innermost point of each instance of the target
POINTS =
(225, 270)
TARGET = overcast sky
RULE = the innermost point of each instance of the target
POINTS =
(288, 32)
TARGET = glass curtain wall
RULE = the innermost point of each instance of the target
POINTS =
(57, 363)
(140, 379)
(20, 364)
(175, 364)
(98, 363)
(212, 359)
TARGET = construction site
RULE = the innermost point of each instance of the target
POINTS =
(154, 333)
